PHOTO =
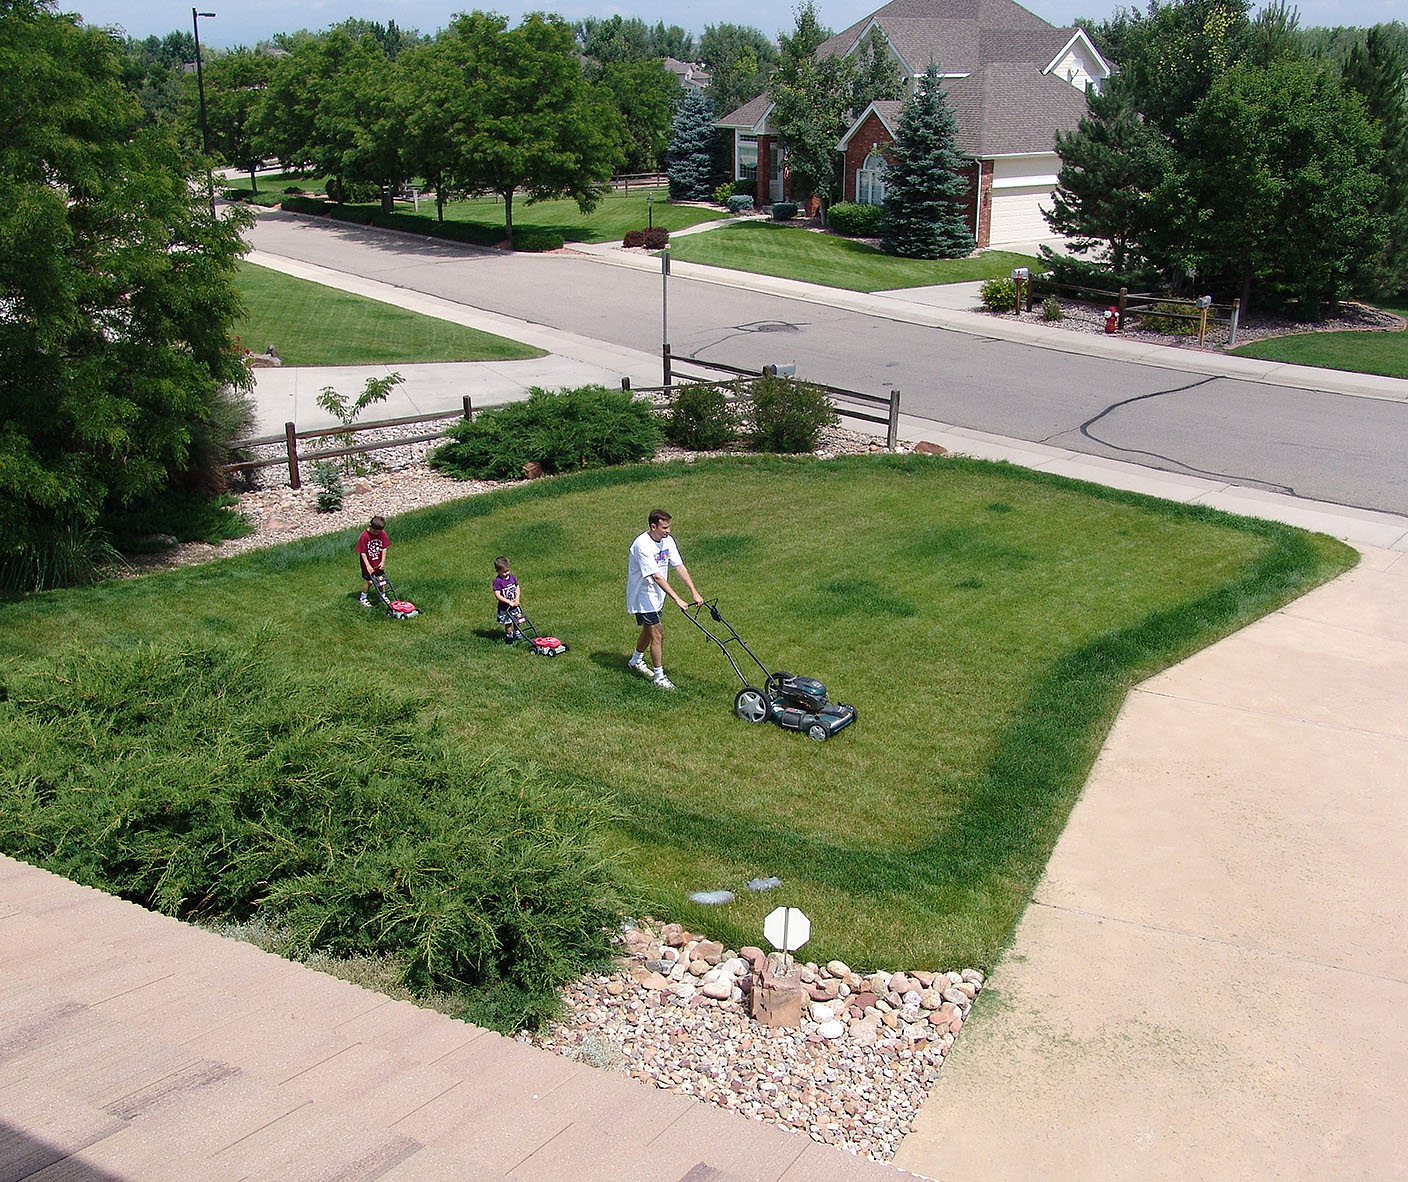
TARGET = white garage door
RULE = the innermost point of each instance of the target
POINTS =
(1016, 215)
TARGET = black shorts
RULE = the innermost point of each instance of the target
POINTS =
(644, 618)
(505, 614)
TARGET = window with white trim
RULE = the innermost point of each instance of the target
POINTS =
(747, 158)
(870, 180)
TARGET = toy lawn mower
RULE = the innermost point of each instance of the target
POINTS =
(793, 703)
(543, 646)
(396, 608)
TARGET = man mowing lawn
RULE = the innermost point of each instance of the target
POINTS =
(652, 555)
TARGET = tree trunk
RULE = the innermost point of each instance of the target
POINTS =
(253, 183)
(1246, 288)
(507, 195)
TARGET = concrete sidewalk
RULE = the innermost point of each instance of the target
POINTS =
(1211, 979)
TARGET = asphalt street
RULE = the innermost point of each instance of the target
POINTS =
(1333, 447)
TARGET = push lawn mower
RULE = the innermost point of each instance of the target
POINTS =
(543, 646)
(397, 609)
(794, 703)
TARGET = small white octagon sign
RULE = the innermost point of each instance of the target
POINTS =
(787, 929)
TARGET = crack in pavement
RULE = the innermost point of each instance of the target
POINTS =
(1085, 430)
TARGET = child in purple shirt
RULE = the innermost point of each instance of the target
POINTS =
(506, 599)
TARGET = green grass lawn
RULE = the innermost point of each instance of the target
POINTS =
(1361, 352)
(311, 324)
(985, 621)
(772, 248)
(608, 222)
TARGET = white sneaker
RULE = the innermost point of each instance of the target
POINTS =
(640, 667)
(662, 681)
(363, 600)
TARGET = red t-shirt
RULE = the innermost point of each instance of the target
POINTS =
(373, 545)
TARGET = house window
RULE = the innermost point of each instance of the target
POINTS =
(870, 180)
(747, 158)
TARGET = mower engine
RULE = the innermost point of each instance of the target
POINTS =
(806, 692)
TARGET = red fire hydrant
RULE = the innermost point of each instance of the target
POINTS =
(1111, 319)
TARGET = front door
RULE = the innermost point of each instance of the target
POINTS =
(775, 174)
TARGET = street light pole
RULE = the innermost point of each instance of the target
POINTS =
(200, 89)
(200, 80)
(665, 312)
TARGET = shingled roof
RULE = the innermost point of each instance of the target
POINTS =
(994, 51)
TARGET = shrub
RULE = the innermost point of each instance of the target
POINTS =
(853, 220)
(563, 430)
(313, 205)
(745, 187)
(537, 240)
(1051, 309)
(786, 415)
(724, 192)
(701, 418)
(176, 515)
(784, 211)
(998, 295)
(654, 238)
(257, 797)
(292, 190)
(1170, 318)
(330, 490)
(351, 192)
(234, 194)
(740, 203)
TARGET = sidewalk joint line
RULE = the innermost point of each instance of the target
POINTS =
(1256, 712)
(1220, 941)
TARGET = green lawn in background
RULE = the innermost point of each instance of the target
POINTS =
(1361, 352)
(616, 213)
(311, 324)
(774, 248)
(986, 621)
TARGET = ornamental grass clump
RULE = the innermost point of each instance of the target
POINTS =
(213, 785)
(563, 430)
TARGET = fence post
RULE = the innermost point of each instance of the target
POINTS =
(892, 432)
(468, 408)
(665, 355)
(1236, 312)
(1029, 295)
(291, 440)
(626, 384)
(1119, 319)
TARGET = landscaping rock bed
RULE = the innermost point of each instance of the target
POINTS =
(674, 1013)
(1082, 317)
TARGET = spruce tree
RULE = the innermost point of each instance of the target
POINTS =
(691, 155)
(1377, 71)
(924, 216)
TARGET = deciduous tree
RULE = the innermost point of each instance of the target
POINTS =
(116, 295)
(517, 112)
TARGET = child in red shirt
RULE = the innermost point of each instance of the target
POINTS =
(371, 555)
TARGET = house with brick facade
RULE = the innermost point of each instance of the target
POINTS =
(1012, 79)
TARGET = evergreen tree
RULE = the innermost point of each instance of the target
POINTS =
(691, 156)
(811, 108)
(1376, 72)
(924, 217)
(1109, 165)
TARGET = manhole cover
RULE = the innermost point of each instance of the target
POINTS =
(774, 326)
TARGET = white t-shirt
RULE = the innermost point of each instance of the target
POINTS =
(649, 557)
